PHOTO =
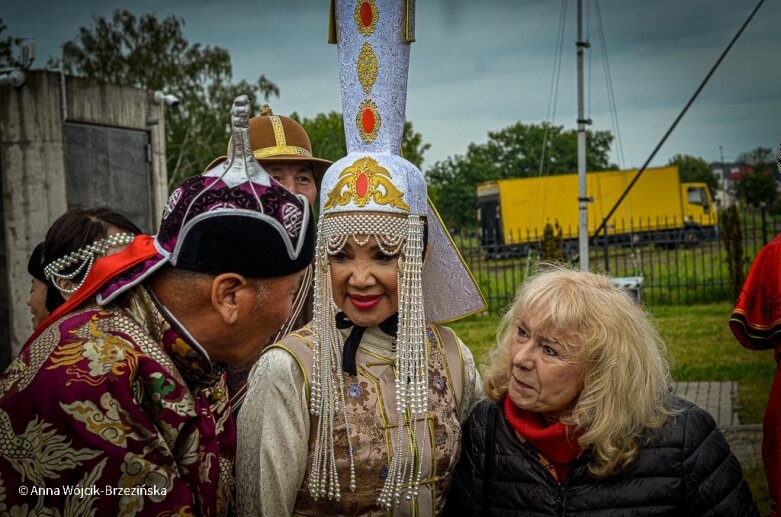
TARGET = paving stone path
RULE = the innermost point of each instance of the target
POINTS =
(719, 399)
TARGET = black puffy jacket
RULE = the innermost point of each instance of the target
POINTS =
(688, 471)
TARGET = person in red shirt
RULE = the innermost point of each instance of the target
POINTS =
(756, 323)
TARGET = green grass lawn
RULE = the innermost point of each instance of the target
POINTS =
(701, 348)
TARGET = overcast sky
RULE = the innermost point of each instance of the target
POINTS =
(479, 66)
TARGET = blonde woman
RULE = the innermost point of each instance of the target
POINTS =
(581, 419)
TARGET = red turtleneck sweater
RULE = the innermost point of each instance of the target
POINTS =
(551, 441)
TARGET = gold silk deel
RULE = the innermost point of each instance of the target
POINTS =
(371, 410)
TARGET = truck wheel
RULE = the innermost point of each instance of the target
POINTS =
(690, 238)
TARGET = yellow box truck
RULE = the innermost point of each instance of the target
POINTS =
(659, 208)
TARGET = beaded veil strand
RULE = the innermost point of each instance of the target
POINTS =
(86, 256)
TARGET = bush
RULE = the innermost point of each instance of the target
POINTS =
(551, 244)
(732, 236)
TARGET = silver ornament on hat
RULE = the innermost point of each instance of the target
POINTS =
(231, 186)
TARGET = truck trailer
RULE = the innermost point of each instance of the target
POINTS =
(659, 209)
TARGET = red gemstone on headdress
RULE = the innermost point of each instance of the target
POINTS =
(368, 120)
(366, 14)
(361, 184)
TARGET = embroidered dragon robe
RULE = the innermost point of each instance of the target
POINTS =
(115, 410)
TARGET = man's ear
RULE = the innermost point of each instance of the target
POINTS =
(225, 295)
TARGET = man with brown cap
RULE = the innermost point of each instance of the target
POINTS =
(118, 403)
(282, 147)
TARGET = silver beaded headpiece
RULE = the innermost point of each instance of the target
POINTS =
(375, 194)
(85, 258)
(393, 235)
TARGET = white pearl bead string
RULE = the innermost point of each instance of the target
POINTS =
(388, 232)
(403, 236)
(411, 375)
(327, 387)
(86, 256)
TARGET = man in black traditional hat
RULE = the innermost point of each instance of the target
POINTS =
(118, 403)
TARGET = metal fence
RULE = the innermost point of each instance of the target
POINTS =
(674, 268)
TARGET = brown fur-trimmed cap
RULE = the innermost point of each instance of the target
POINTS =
(280, 138)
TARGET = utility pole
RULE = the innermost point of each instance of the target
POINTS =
(723, 176)
(583, 199)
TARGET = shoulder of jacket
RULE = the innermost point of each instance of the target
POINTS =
(692, 416)
(687, 428)
(299, 342)
(479, 416)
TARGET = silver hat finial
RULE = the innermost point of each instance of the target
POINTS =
(241, 164)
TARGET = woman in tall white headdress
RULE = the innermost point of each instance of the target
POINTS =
(360, 412)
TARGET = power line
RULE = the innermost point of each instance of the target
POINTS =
(554, 88)
(611, 96)
(677, 119)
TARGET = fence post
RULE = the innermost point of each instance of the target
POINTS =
(607, 250)
(763, 209)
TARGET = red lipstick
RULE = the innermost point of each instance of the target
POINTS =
(365, 302)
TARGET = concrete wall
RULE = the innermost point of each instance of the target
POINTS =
(33, 169)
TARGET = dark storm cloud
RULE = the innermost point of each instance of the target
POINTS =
(480, 66)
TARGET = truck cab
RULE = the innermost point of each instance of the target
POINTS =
(698, 205)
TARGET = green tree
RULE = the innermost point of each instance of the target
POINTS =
(756, 187)
(513, 152)
(551, 244)
(146, 52)
(759, 185)
(694, 169)
(7, 45)
(326, 133)
(453, 195)
(758, 158)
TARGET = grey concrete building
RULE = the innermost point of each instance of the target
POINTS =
(70, 142)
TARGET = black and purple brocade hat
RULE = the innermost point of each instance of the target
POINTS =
(232, 218)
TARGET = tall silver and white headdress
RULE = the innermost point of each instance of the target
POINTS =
(374, 192)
